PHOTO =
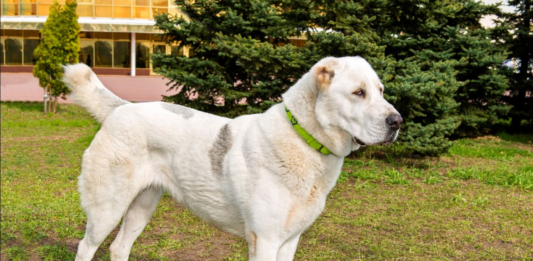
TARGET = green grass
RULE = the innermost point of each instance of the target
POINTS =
(475, 203)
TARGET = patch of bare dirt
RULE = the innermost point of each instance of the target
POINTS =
(488, 137)
(524, 147)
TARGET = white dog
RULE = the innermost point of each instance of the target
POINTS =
(263, 177)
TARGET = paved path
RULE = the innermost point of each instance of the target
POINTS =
(25, 87)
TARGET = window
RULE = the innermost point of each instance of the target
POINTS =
(13, 47)
(97, 49)
(102, 49)
(16, 49)
(85, 10)
(174, 10)
(159, 48)
(142, 9)
(103, 8)
(157, 11)
(43, 9)
(29, 48)
(28, 8)
(103, 53)
(176, 51)
(9, 9)
(122, 9)
(142, 56)
(103, 11)
(122, 12)
(122, 55)
(87, 52)
(141, 12)
(163, 3)
(2, 53)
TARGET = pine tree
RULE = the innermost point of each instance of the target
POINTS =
(59, 46)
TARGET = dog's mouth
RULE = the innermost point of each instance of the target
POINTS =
(358, 141)
(389, 140)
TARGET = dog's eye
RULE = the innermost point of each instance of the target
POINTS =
(359, 93)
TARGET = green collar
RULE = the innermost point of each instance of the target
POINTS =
(308, 138)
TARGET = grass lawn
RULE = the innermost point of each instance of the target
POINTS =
(476, 203)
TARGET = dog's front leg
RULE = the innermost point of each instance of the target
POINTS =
(263, 249)
(288, 249)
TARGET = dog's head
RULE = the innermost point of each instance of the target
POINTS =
(350, 98)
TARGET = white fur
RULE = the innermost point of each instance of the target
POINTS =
(252, 176)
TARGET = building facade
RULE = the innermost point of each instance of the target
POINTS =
(117, 36)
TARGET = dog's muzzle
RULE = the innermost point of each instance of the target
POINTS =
(394, 121)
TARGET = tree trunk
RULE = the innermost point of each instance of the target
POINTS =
(50, 101)
(46, 98)
(55, 104)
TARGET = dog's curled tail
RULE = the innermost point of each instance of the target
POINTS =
(89, 92)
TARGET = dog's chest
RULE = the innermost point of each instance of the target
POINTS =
(310, 203)
(297, 168)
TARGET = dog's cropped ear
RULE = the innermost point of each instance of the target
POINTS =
(324, 71)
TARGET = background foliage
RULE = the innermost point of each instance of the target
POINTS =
(442, 69)
(516, 35)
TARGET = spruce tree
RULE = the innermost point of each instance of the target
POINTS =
(433, 57)
(235, 50)
(462, 98)
(59, 46)
(241, 59)
(422, 87)
(484, 82)
(516, 33)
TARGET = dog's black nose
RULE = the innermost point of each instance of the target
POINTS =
(394, 121)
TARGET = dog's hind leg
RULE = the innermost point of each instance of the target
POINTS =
(107, 188)
(101, 220)
(137, 216)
